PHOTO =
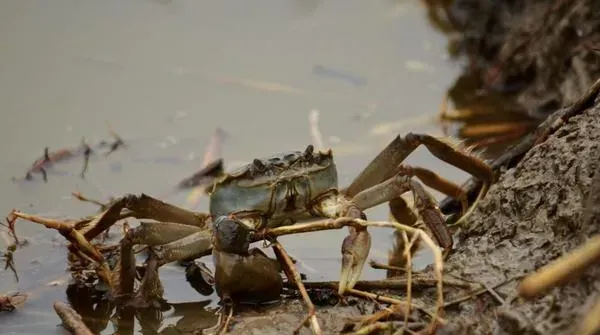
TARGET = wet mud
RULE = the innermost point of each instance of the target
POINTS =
(541, 209)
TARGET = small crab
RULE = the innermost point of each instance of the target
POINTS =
(279, 190)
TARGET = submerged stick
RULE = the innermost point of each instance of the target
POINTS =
(87, 152)
(83, 198)
(294, 276)
(72, 321)
(408, 256)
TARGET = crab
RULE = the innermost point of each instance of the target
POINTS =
(283, 189)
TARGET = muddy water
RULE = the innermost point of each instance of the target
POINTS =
(165, 74)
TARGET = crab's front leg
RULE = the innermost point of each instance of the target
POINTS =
(242, 274)
(427, 208)
(356, 246)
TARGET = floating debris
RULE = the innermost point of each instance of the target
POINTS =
(212, 167)
(324, 71)
(50, 158)
(72, 321)
(10, 302)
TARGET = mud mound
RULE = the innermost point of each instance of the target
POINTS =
(532, 215)
(545, 53)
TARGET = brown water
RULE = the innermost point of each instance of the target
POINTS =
(165, 74)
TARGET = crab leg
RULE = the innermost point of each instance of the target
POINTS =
(146, 207)
(379, 169)
(355, 250)
(152, 234)
(426, 207)
(401, 147)
(171, 242)
(436, 182)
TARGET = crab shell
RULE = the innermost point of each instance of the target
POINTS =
(276, 190)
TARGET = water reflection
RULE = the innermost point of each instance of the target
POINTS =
(488, 119)
(99, 313)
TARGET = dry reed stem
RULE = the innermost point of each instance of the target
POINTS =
(294, 276)
(561, 270)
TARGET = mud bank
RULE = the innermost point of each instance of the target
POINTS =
(541, 209)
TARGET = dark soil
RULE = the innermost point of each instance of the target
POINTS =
(535, 213)
(543, 53)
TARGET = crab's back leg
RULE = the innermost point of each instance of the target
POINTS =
(155, 234)
(143, 207)
(436, 182)
(452, 155)
(382, 166)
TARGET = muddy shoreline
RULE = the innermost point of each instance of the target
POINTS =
(541, 207)
(534, 213)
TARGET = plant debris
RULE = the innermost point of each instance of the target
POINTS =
(50, 158)
(10, 302)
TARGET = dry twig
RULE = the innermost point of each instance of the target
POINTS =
(294, 276)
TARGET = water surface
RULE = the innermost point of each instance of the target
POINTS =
(165, 74)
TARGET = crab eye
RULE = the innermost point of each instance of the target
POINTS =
(310, 149)
(259, 165)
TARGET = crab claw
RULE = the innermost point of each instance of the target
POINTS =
(355, 250)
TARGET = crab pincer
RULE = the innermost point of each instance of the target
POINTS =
(355, 250)
(242, 274)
